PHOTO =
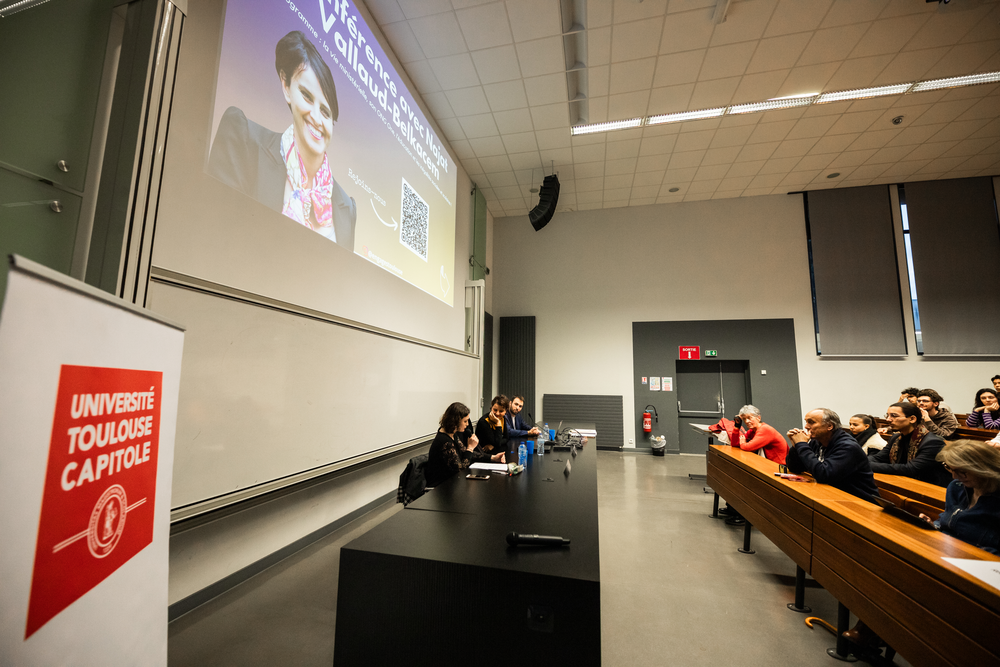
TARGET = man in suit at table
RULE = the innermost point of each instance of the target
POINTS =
(517, 427)
(831, 455)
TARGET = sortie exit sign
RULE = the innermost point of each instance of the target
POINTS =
(689, 352)
(711, 353)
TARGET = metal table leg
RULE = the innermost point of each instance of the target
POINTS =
(800, 592)
(843, 649)
(746, 540)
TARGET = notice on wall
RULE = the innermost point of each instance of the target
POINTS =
(644, 381)
(667, 384)
(88, 411)
(654, 384)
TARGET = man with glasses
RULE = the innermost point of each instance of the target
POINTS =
(912, 451)
(935, 416)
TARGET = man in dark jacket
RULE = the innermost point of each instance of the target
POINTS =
(912, 451)
(831, 455)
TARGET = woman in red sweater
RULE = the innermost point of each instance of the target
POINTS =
(757, 435)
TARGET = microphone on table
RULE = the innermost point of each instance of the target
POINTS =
(524, 540)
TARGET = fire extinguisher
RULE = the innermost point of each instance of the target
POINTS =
(647, 421)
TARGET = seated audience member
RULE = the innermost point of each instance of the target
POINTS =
(972, 502)
(831, 455)
(757, 435)
(935, 416)
(996, 383)
(491, 430)
(986, 412)
(447, 455)
(911, 452)
(517, 427)
(863, 428)
(909, 394)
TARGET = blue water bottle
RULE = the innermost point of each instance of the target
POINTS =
(522, 455)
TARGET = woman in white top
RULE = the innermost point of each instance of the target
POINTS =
(862, 427)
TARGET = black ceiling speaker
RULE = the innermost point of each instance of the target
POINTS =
(548, 196)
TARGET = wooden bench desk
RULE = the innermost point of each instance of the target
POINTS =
(930, 494)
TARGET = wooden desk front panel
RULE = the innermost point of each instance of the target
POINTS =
(908, 487)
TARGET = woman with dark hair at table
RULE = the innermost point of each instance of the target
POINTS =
(865, 431)
(986, 412)
(448, 454)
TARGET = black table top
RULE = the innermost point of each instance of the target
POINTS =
(466, 521)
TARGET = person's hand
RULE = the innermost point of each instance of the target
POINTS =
(797, 435)
(926, 417)
(738, 421)
(994, 443)
(534, 431)
(980, 408)
(927, 518)
(501, 458)
(884, 431)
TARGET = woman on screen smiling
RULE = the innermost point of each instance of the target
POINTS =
(290, 171)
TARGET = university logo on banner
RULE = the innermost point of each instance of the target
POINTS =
(100, 484)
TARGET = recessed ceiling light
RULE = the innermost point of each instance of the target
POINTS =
(685, 115)
(864, 93)
(833, 175)
(606, 127)
(673, 190)
(971, 80)
(783, 103)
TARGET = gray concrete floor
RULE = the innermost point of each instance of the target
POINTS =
(674, 590)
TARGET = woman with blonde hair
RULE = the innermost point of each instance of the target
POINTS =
(972, 500)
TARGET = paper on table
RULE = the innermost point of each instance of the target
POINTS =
(489, 466)
(987, 571)
(589, 432)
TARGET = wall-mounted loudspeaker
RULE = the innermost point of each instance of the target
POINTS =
(548, 196)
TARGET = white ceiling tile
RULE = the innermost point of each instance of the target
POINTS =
(657, 145)
(494, 164)
(686, 5)
(889, 36)
(628, 105)
(948, 27)
(725, 61)
(647, 178)
(617, 150)
(760, 151)
(497, 64)
(638, 39)
(944, 112)
(631, 76)
(685, 160)
(508, 192)
(800, 177)
(422, 75)
(702, 187)
(889, 154)
(832, 44)
(598, 47)
(416, 8)
(740, 119)
(530, 160)
(814, 162)
(745, 168)
(590, 184)
(760, 86)
(694, 141)
(549, 116)
(717, 93)
(778, 52)
(731, 136)
(622, 166)
(678, 68)
(834, 143)
(963, 59)
(520, 143)
(781, 114)
(589, 139)
(779, 165)
(670, 98)
(502, 178)
(452, 129)
(872, 139)
(485, 26)
(597, 109)
(515, 120)
(857, 73)
(467, 101)
(597, 81)
(439, 35)
(739, 183)
(644, 192)
(852, 11)
(811, 127)
(385, 11)
(955, 131)
(547, 89)
(598, 13)
(745, 20)
(808, 79)
(561, 157)
(910, 66)
(463, 149)
(796, 16)
(904, 7)
(506, 95)
(911, 136)
(629, 10)
(481, 125)
(724, 156)
(793, 147)
(530, 19)
(455, 71)
(711, 172)
(403, 42)
(618, 181)
(439, 106)
(868, 171)
(965, 148)
(463, 4)
(771, 132)
(542, 56)
(687, 31)
(593, 153)
(679, 176)
(852, 158)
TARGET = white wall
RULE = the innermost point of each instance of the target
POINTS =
(589, 274)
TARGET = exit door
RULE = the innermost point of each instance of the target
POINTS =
(707, 391)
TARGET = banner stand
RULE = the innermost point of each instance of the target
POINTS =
(88, 413)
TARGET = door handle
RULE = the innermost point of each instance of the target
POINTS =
(700, 412)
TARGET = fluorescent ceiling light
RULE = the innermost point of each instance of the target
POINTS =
(783, 103)
(685, 115)
(864, 93)
(10, 7)
(606, 127)
(955, 81)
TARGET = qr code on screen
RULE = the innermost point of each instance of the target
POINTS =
(414, 227)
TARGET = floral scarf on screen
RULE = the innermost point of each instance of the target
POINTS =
(305, 200)
(915, 438)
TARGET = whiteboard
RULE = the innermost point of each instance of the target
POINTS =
(266, 394)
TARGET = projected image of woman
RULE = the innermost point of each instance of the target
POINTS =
(290, 171)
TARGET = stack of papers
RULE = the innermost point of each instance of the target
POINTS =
(499, 467)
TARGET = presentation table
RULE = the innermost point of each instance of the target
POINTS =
(891, 574)
(438, 583)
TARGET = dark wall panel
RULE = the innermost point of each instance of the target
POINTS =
(487, 362)
(516, 360)
(606, 412)
(768, 345)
